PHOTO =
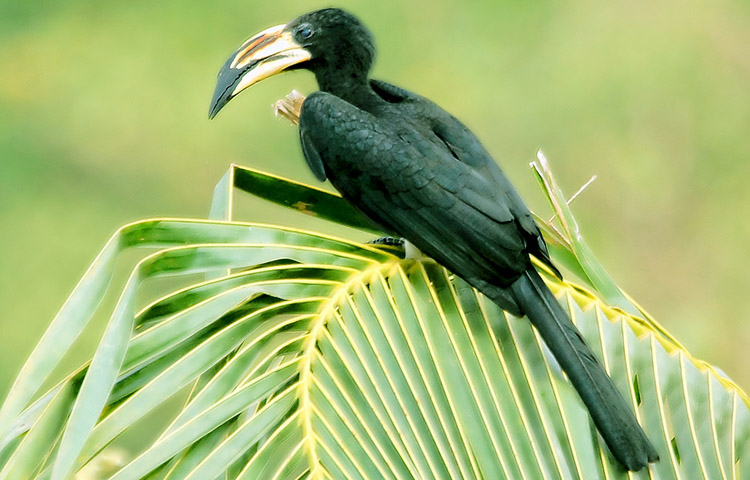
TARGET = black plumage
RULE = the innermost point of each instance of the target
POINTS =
(419, 173)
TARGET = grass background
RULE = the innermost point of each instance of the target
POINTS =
(103, 111)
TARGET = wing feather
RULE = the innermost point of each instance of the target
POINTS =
(465, 147)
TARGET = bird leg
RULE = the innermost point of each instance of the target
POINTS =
(290, 106)
(410, 251)
(388, 241)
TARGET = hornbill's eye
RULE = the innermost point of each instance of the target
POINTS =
(304, 31)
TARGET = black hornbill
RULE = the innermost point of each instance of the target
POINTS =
(419, 173)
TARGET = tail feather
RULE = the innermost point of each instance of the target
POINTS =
(612, 415)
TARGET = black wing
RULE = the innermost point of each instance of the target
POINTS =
(465, 146)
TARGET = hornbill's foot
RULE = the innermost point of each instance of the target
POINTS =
(410, 251)
(388, 241)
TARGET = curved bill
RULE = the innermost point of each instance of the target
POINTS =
(266, 54)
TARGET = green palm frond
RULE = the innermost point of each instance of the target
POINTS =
(299, 355)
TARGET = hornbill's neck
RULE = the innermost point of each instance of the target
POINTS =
(349, 82)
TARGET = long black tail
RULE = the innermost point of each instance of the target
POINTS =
(611, 413)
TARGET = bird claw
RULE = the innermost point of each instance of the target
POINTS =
(388, 241)
(410, 251)
(290, 106)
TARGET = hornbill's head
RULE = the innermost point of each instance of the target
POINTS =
(331, 43)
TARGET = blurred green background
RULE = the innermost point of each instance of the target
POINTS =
(103, 121)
